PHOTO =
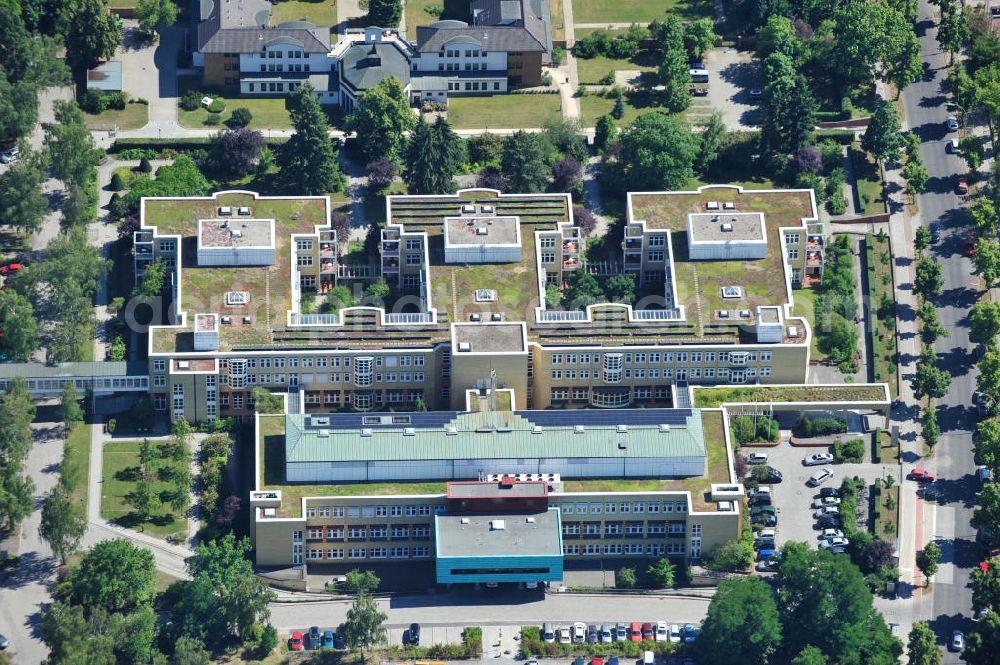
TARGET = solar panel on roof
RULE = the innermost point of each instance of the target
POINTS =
(607, 417)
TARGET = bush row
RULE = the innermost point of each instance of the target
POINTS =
(852, 451)
(821, 426)
(532, 645)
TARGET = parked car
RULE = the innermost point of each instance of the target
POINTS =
(635, 632)
(764, 533)
(339, 641)
(327, 639)
(760, 510)
(764, 544)
(762, 500)
(756, 93)
(829, 522)
(593, 634)
(596, 660)
(962, 187)
(415, 633)
(921, 476)
(607, 634)
(578, 632)
(11, 268)
(4, 642)
(563, 636)
(548, 633)
(759, 491)
(829, 491)
(662, 631)
(827, 543)
(8, 156)
(820, 477)
(764, 519)
(983, 474)
(690, 633)
(952, 123)
(613, 660)
(952, 147)
(827, 510)
(957, 640)
(767, 565)
(699, 91)
(839, 549)
(766, 554)
(826, 501)
(757, 458)
(315, 637)
(621, 632)
(935, 230)
(648, 632)
(295, 643)
(817, 459)
(773, 476)
(831, 533)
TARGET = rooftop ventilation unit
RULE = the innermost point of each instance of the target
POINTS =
(183, 364)
(579, 429)
(451, 431)
(485, 295)
(468, 208)
(732, 291)
(243, 212)
(234, 298)
(409, 431)
(482, 231)
(323, 433)
(536, 429)
(498, 525)
(622, 429)
(465, 520)
(793, 332)
(476, 317)
(318, 421)
(726, 226)
(227, 320)
(664, 428)
(366, 432)
(464, 346)
(529, 520)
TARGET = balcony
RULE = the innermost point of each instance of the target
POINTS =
(633, 244)
(571, 247)
(633, 260)
(390, 247)
(390, 266)
(570, 263)
(814, 259)
(327, 250)
(327, 266)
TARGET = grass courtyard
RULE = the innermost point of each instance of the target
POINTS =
(133, 116)
(266, 113)
(637, 102)
(637, 11)
(321, 13)
(76, 462)
(121, 460)
(591, 70)
(805, 306)
(502, 111)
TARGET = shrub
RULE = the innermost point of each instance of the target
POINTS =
(852, 450)
(241, 117)
(191, 100)
(732, 557)
(625, 578)
(94, 101)
(472, 641)
(145, 166)
(117, 100)
(118, 182)
(821, 426)
(217, 106)
(212, 120)
(558, 55)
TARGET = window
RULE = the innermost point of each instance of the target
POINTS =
(612, 529)
(592, 529)
(633, 548)
(159, 366)
(335, 554)
(613, 548)
(655, 256)
(791, 239)
(395, 511)
(548, 257)
(657, 241)
(424, 510)
(335, 533)
(793, 254)
(304, 245)
(560, 393)
(591, 550)
(378, 552)
(571, 549)
(356, 553)
(421, 552)
(304, 260)
(571, 528)
(548, 243)
(314, 554)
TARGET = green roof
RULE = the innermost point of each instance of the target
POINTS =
(513, 438)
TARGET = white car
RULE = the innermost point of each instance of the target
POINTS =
(662, 631)
(820, 477)
(826, 501)
(8, 156)
(675, 633)
(817, 459)
(759, 491)
(579, 632)
(827, 510)
(562, 636)
(952, 123)
(831, 533)
(757, 458)
(764, 533)
(957, 641)
(827, 543)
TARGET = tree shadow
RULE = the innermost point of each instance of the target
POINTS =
(31, 567)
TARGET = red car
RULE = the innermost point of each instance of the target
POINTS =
(596, 660)
(648, 632)
(970, 247)
(10, 269)
(635, 632)
(963, 187)
(296, 643)
(921, 476)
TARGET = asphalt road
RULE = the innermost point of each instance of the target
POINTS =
(924, 102)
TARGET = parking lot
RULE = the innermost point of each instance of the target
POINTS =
(793, 499)
(733, 73)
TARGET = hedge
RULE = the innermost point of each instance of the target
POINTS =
(877, 447)
(842, 136)
(852, 450)
(175, 143)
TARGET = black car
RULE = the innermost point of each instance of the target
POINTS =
(773, 475)
(761, 500)
(829, 491)
(414, 633)
(593, 635)
(935, 233)
(4, 642)
(764, 519)
(338, 638)
(828, 522)
(315, 638)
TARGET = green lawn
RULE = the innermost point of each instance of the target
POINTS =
(76, 462)
(593, 106)
(882, 339)
(133, 116)
(266, 113)
(637, 11)
(711, 397)
(805, 301)
(322, 13)
(867, 182)
(417, 14)
(502, 111)
(123, 4)
(119, 458)
(592, 70)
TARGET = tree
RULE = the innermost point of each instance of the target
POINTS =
(114, 575)
(20, 329)
(778, 35)
(604, 133)
(143, 499)
(365, 624)
(237, 151)
(72, 639)
(711, 139)
(625, 578)
(524, 162)
(922, 648)
(928, 559)
(92, 33)
(308, 160)
(22, 205)
(983, 644)
(182, 178)
(78, 208)
(385, 13)
(618, 111)
(148, 453)
(657, 153)
(930, 429)
(433, 157)
(584, 220)
(810, 656)
(923, 238)
(953, 29)
(819, 589)
(567, 174)
(582, 290)
(986, 259)
(985, 581)
(865, 36)
(362, 581)
(190, 651)
(69, 405)
(971, 148)
(930, 328)
(732, 556)
(985, 217)
(62, 525)
(883, 138)
(788, 105)
(699, 36)
(620, 288)
(987, 515)
(381, 174)
(675, 77)
(876, 554)
(988, 380)
(743, 617)
(155, 13)
(18, 107)
(154, 278)
(909, 67)
(929, 379)
(566, 137)
(916, 176)
(381, 119)
(987, 444)
(72, 153)
(928, 280)
(240, 117)
(662, 572)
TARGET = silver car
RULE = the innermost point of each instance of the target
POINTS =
(820, 477)
(827, 510)
(817, 459)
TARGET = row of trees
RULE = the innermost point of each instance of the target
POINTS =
(929, 380)
(17, 410)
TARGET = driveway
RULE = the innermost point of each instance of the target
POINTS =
(731, 74)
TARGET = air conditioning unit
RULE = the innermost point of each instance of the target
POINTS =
(578, 429)
(409, 431)
(366, 432)
(622, 429)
